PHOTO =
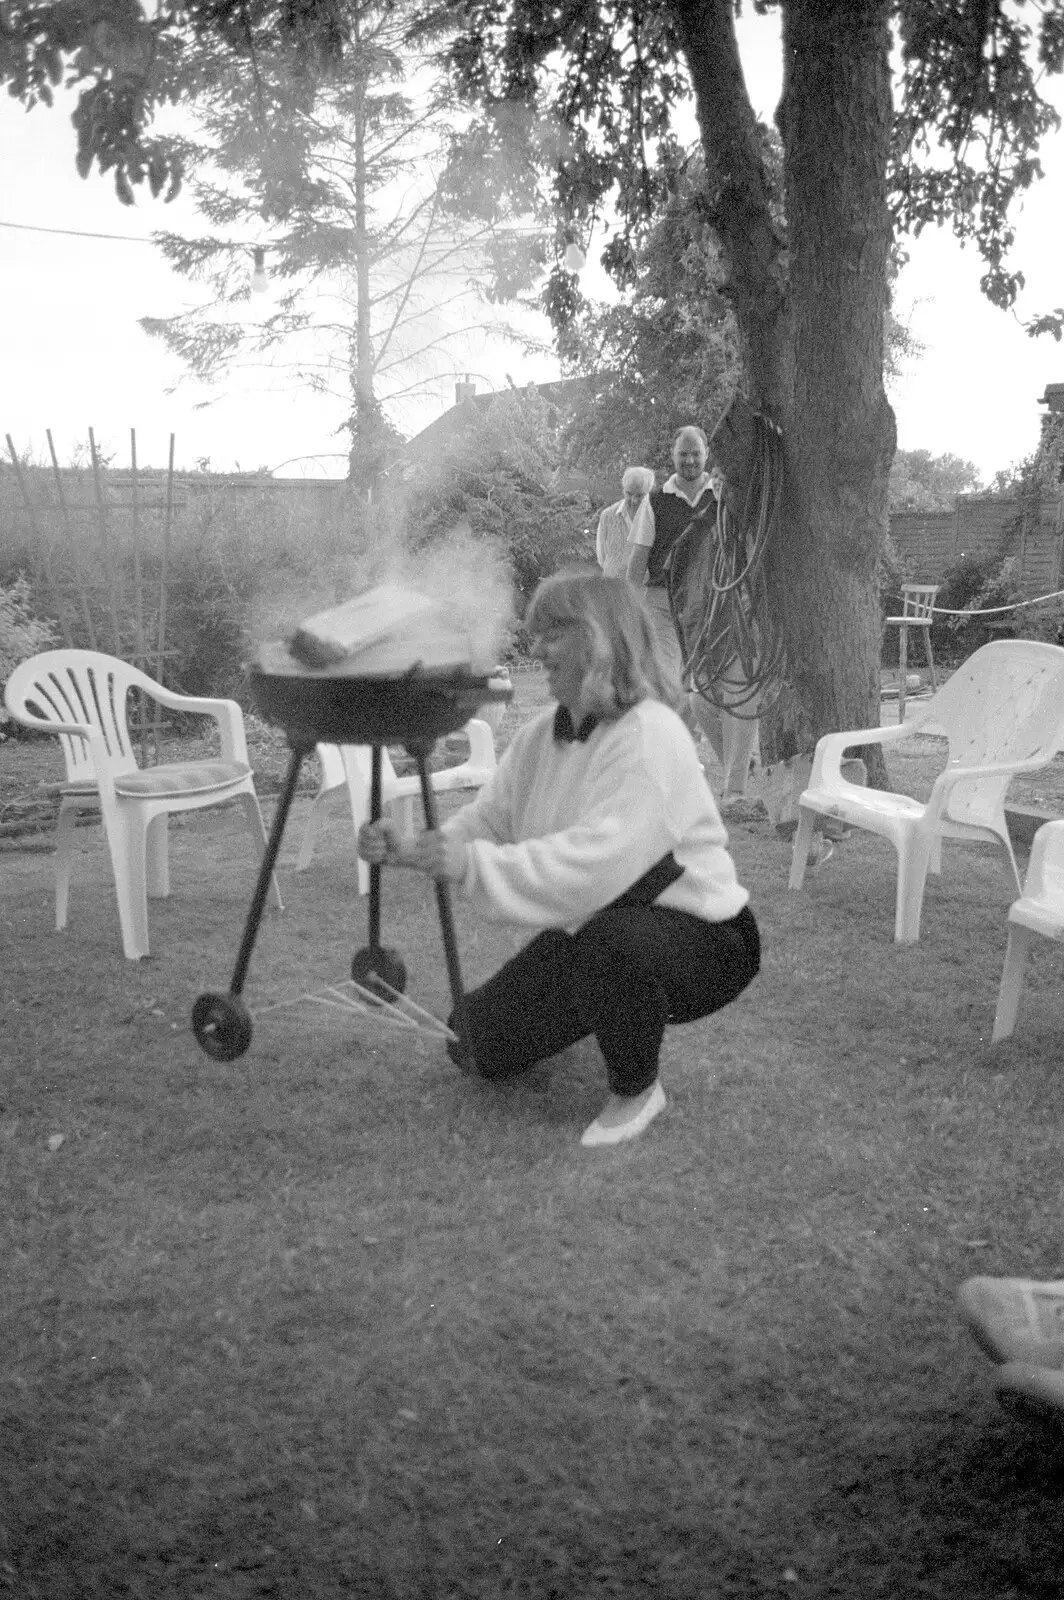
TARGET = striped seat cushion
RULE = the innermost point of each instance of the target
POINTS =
(184, 777)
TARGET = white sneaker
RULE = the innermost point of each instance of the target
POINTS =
(1016, 1320)
(1031, 1390)
(624, 1116)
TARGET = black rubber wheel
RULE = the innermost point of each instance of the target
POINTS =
(388, 965)
(222, 1025)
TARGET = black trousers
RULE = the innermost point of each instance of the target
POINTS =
(628, 972)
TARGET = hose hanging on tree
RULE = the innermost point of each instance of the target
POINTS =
(733, 649)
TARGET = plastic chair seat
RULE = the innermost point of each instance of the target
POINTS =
(350, 766)
(1002, 713)
(81, 696)
(176, 778)
(1039, 910)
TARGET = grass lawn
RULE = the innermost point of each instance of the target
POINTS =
(334, 1320)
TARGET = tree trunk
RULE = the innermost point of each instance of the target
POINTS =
(835, 118)
(754, 248)
(362, 462)
(812, 329)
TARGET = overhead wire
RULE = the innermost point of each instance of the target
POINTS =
(76, 233)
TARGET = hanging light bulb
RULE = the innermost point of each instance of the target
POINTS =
(575, 255)
(259, 280)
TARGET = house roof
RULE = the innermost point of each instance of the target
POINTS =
(561, 392)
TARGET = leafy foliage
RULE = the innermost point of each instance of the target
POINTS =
(588, 93)
(969, 123)
(22, 632)
(966, 131)
(127, 64)
(665, 354)
(500, 478)
(920, 481)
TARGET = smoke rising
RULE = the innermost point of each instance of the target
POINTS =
(466, 575)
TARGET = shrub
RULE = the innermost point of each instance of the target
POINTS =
(244, 564)
(22, 633)
(973, 583)
(891, 573)
(1000, 586)
(497, 480)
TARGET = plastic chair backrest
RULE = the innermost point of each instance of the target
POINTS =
(1006, 703)
(77, 687)
(917, 600)
(333, 775)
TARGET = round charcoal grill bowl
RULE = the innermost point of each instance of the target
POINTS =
(413, 709)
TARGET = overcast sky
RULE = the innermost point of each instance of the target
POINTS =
(72, 355)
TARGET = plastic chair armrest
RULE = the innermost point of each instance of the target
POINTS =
(831, 747)
(226, 713)
(986, 769)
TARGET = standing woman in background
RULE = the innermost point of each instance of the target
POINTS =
(614, 532)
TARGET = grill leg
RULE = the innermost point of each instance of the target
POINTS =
(269, 861)
(374, 962)
(443, 904)
(375, 869)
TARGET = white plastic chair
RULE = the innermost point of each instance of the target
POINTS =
(81, 695)
(349, 765)
(1002, 713)
(1040, 909)
(917, 605)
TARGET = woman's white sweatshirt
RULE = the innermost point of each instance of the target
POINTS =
(564, 828)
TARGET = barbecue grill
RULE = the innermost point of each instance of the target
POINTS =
(414, 709)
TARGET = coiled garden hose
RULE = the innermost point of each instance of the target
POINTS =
(733, 648)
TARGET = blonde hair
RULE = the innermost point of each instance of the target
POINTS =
(623, 661)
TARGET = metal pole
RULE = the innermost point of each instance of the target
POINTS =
(375, 866)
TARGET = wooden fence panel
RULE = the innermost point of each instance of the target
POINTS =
(985, 527)
(924, 541)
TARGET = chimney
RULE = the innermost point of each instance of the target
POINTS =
(464, 391)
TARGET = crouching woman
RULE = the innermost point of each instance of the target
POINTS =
(600, 832)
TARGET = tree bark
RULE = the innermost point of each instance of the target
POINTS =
(811, 315)
(835, 119)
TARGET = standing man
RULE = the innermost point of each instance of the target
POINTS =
(690, 492)
(614, 531)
